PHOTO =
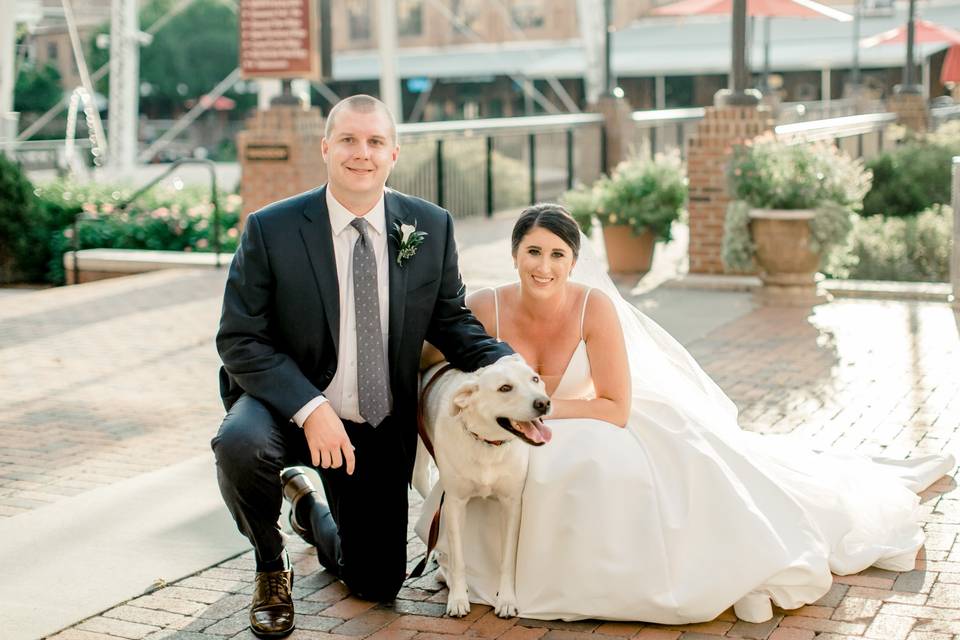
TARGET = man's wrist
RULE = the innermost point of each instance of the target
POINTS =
(300, 417)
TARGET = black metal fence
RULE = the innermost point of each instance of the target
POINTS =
(477, 167)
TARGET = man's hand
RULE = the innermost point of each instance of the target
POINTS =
(327, 440)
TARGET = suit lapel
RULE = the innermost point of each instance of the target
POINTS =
(318, 240)
(395, 214)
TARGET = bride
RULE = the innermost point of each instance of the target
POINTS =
(650, 503)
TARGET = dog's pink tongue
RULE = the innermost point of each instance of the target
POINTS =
(536, 430)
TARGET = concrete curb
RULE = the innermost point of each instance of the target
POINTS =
(871, 289)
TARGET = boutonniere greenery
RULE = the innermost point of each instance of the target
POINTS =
(408, 240)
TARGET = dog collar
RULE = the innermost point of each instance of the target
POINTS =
(492, 443)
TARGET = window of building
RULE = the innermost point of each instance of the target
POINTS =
(527, 14)
(358, 17)
(409, 18)
(466, 12)
(53, 51)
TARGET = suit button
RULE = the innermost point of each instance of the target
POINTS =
(330, 373)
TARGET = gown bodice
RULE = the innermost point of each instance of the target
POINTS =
(576, 381)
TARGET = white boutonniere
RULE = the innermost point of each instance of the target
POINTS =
(408, 240)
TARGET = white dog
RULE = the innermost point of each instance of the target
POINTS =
(474, 422)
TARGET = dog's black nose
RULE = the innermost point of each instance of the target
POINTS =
(543, 406)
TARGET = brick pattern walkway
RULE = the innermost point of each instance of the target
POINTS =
(104, 382)
(876, 377)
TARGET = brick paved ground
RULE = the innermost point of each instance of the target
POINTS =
(855, 375)
(104, 382)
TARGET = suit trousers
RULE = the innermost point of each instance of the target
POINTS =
(367, 546)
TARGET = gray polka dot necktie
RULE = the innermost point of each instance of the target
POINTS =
(371, 370)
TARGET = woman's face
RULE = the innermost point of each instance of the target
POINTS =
(544, 262)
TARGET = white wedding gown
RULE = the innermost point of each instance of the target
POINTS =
(681, 514)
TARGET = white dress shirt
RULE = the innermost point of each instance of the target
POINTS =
(341, 393)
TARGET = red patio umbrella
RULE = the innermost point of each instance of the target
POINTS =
(950, 72)
(765, 9)
(755, 8)
(924, 32)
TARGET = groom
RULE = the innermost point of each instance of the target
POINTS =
(325, 311)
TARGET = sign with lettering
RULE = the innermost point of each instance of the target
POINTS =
(268, 152)
(280, 39)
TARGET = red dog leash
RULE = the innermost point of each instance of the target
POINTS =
(434, 534)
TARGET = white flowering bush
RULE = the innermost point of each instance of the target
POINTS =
(771, 174)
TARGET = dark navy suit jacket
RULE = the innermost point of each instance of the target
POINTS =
(280, 323)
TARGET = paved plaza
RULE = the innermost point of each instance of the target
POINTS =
(110, 386)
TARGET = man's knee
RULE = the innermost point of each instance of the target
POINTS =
(245, 439)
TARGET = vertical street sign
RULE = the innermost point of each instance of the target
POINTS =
(282, 39)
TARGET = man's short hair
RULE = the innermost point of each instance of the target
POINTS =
(364, 104)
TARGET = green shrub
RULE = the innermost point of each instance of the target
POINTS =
(773, 174)
(583, 203)
(645, 194)
(914, 248)
(165, 218)
(25, 226)
(912, 177)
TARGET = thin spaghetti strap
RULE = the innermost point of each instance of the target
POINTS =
(583, 312)
(496, 310)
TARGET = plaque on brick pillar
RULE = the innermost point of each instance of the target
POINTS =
(722, 127)
(280, 155)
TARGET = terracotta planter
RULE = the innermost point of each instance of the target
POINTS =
(626, 252)
(788, 263)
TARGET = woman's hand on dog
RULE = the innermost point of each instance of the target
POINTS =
(327, 440)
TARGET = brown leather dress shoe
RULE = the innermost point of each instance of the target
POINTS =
(296, 485)
(271, 614)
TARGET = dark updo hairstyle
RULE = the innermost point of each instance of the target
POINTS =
(552, 217)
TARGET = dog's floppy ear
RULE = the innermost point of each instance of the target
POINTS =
(463, 395)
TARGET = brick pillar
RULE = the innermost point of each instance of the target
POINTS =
(911, 110)
(721, 128)
(280, 155)
(619, 127)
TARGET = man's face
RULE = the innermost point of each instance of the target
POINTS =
(360, 152)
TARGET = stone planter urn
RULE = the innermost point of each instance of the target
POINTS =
(787, 262)
(627, 252)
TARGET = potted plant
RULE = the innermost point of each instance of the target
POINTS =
(636, 206)
(792, 212)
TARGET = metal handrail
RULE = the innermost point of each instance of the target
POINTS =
(832, 128)
(665, 116)
(42, 145)
(79, 216)
(490, 126)
(945, 112)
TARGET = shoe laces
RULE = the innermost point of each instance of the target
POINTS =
(276, 584)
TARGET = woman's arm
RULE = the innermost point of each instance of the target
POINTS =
(611, 379)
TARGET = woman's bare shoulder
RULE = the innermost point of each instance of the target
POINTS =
(482, 304)
(480, 300)
(600, 314)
